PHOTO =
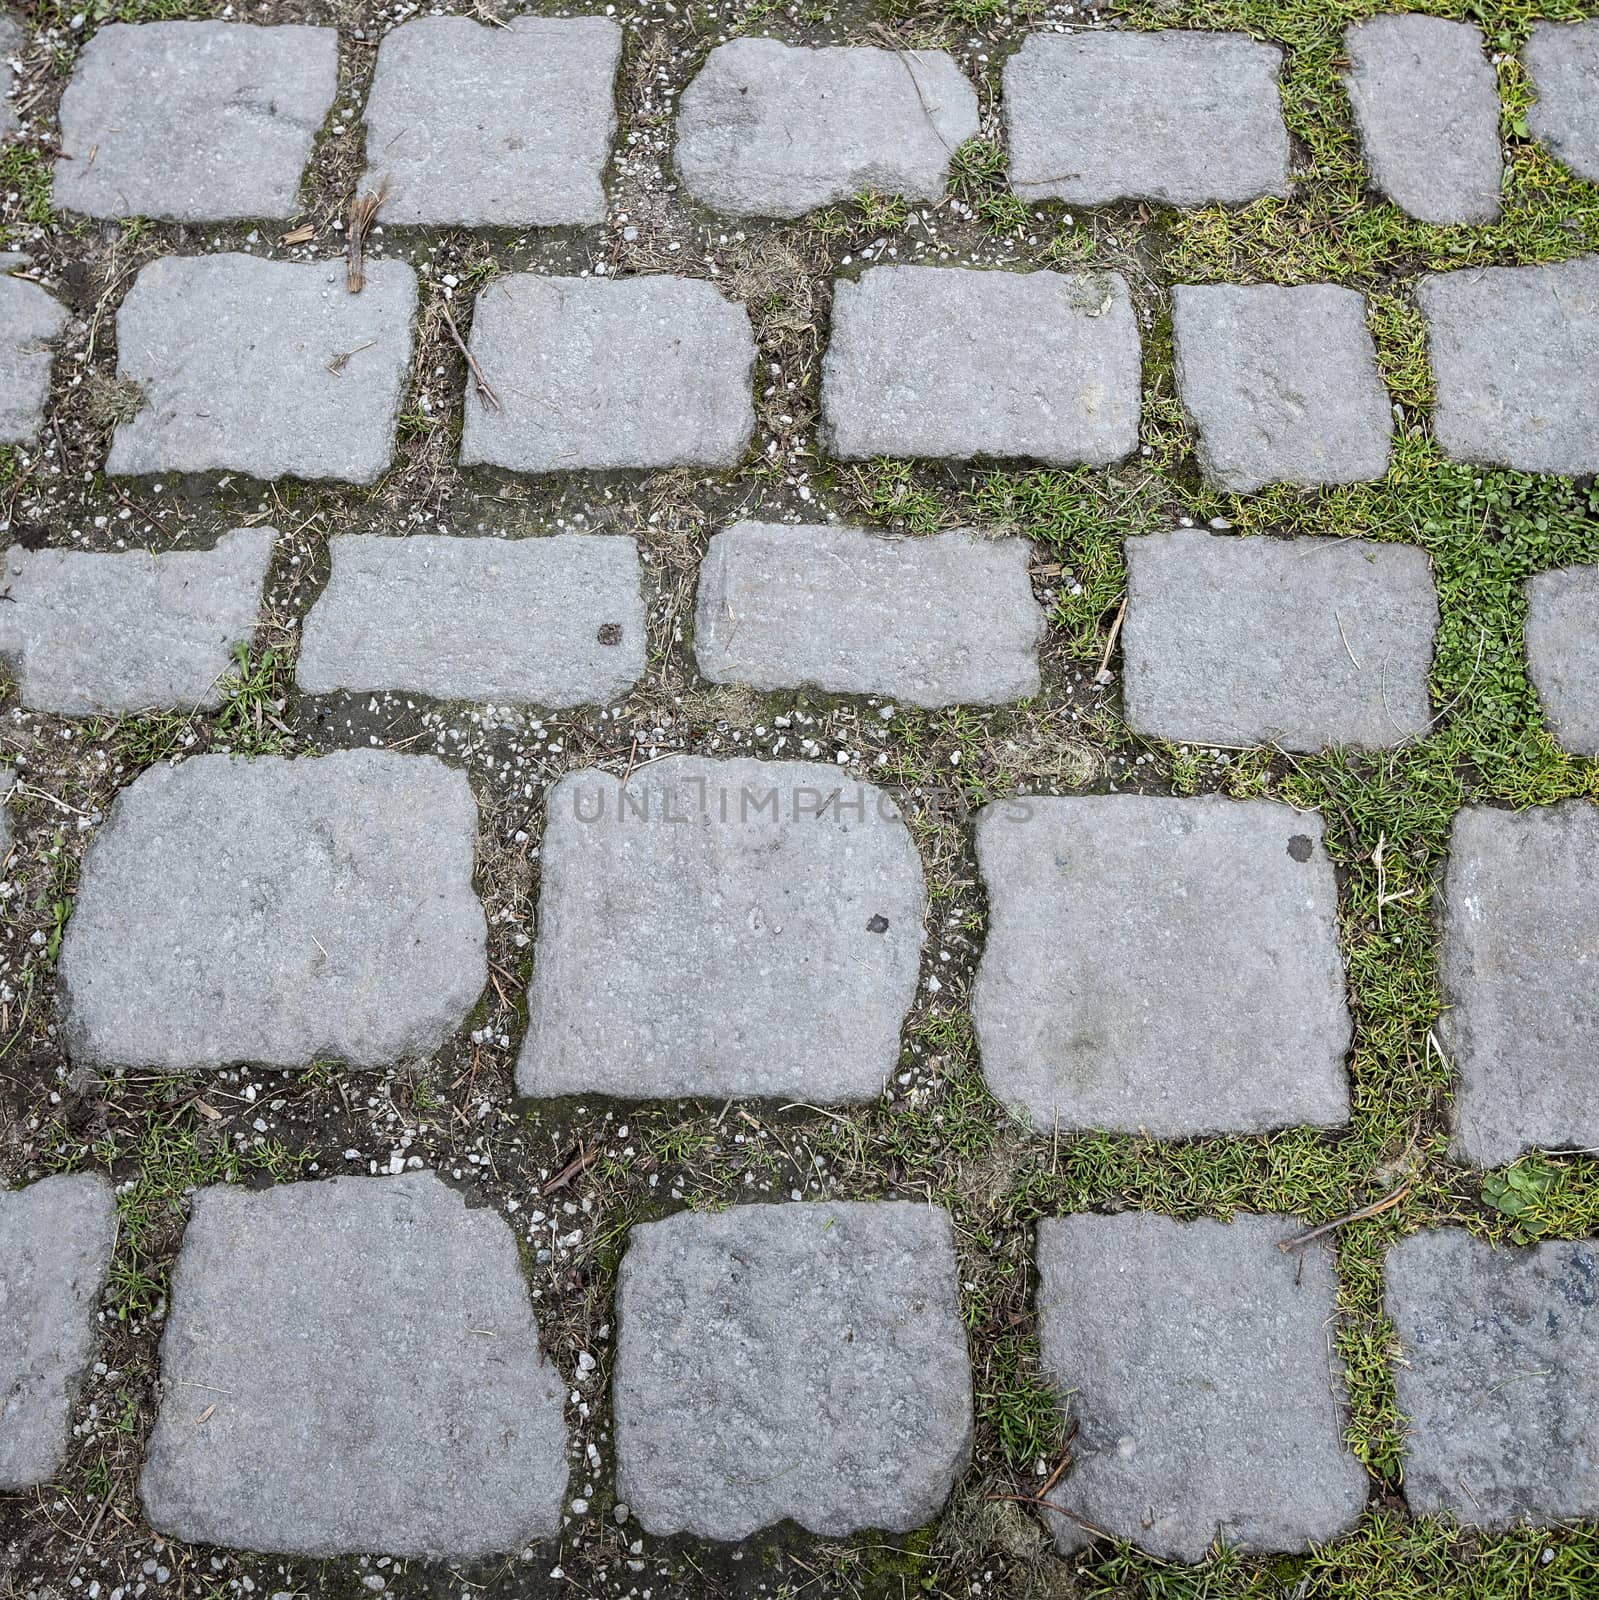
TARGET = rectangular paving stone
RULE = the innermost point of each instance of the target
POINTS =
(936, 621)
(276, 912)
(353, 1366)
(1167, 965)
(235, 357)
(948, 362)
(30, 321)
(1426, 102)
(1515, 361)
(1562, 59)
(1303, 643)
(507, 126)
(56, 1238)
(1520, 923)
(774, 130)
(1196, 1360)
(553, 620)
(1497, 1377)
(193, 121)
(92, 634)
(8, 781)
(1563, 654)
(1180, 118)
(12, 41)
(802, 1361)
(595, 373)
(721, 928)
(1281, 384)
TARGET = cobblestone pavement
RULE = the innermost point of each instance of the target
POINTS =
(798, 803)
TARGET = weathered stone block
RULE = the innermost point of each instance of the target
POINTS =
(12, 40)
(1563, 654)
(29, 321)
(1562, 59)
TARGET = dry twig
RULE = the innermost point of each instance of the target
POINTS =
(1387, 1203)
(487, 398)
(363, 212)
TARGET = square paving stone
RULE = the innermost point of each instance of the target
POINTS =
(276, 912)
(1520, 967)
(93, 634)
(1562, 59)
(801, 1361)
(591, 373)
(1563, 654)
(1196, 1360)
(506, 126)
(1515, 360)
(56, 1238)
(773, 130)
(1161, 964)
(720, 928)
(947, 362)
(29, 322)
(553, 621)
(194, 121)
(1282, 384)
(1303, 643)
(936, 621)
(1181, 118)
(354, 1366)
(1426, 102)
(1497, 1377)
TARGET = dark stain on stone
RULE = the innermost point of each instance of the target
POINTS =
(878, 924)
(1299, 847)
(610, 633)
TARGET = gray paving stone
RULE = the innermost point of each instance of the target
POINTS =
(1498, 1377)
(774, 130)
(193, 121)
(801, 1361)
(723, 928)
(506, 126)
(12, 41)
(55, 1252)
(1181, 118)
(29, 321)
(8, 781)
(1299, 642)
(1562, 59)
(1515, 360)
(276, 912)
(1520, 931)
(148, 630)
(1196, 1360)
(596, 373)
(1161, 964)
(1426, 102)
(234, 357)
(931, 621)
(946, 362)
(349, 1366)
(1282, 384)
(553, 621)
(1563, 654)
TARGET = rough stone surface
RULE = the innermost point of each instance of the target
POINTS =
(55, 1251)
(233, 357)
(591, 373)
(796, 1360)
(1181, 118)
(1563, 654)
(193, 121)
(1519, 962)
(353, 1365)
(1498, 1377)
(1515, 360)
(932, 621)
(1282, 384)
(1562, 59)
(1299, 642)
(946, 362)
(12, 40)
(149, 630)
(506, 126)
(1161, 964)
(276, 912)
(8, 781)
(1195, 1359)
(556, 621)
(1426, 102)
(722, 928)
(769, 129)
(29, 321)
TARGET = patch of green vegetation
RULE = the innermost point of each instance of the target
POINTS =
(24, 171)
(251, 721)
(977, 176)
